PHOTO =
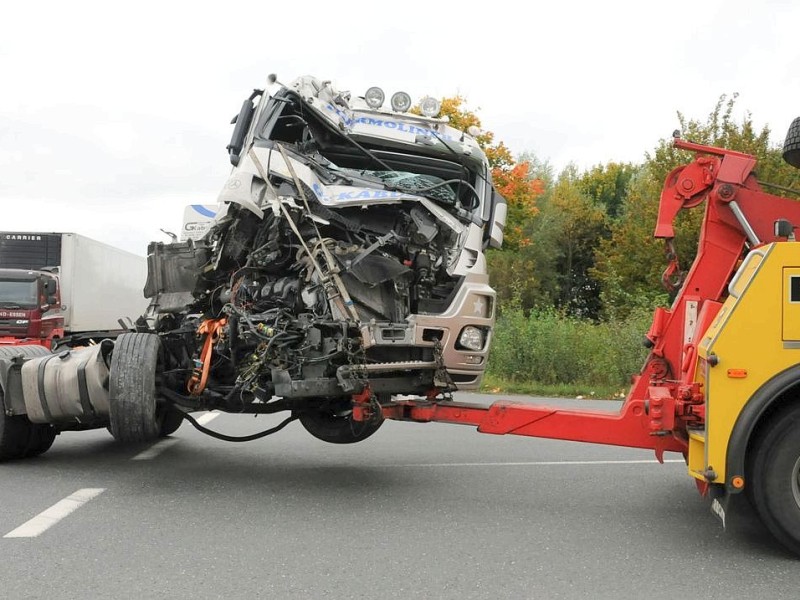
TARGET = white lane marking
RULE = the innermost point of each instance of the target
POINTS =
(46, 519)
(207, 418)
(159, 447)
(155, 449)
(541, 463)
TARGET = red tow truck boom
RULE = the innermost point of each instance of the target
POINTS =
(666, 402)
(666, 407)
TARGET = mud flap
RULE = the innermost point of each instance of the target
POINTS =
(720, 502)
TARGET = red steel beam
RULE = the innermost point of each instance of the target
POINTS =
(628, 427)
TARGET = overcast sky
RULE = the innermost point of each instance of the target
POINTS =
(115, 116)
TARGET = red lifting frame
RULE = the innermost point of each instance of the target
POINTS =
(664, 399)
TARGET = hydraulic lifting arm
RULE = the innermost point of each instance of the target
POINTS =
(665, 400)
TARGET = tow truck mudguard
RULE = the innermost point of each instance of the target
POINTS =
(764, 401)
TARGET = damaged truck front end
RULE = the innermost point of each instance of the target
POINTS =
(346, 261)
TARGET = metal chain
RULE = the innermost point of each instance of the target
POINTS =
(357, 359)
(441, 373)
(672, 277)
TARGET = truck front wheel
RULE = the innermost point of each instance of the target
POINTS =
(775, 479)
(332, 422)
(134, 416)
(170, 421)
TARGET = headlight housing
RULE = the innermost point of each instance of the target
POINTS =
(472, 338)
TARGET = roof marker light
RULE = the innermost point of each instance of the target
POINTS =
(430, 107)
(401, 102)
(374, 97)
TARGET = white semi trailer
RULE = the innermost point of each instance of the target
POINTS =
(54, 285)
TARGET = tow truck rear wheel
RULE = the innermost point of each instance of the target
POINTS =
(333, 423)
(775, 479)
(791, 147)
(134, 414)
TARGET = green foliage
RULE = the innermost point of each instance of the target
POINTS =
(550, 348)
(607, 185)
(573, 219)
(514, 180)
(722, 130)
(577, 286)
(568, 227)
(517, 275)
(628, 264)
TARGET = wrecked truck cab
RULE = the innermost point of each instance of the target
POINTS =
(346, 261)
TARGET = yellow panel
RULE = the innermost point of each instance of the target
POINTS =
(744, 275)
(746, 271)
(746, 335)
(791, 304)
(697, 454)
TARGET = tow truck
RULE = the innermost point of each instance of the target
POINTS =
(720, 385)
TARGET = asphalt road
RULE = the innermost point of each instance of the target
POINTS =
(416, 511)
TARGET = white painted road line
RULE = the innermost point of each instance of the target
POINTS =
(159, 447)
(155, 449)
(541, 463)
(207, 418)
(45, 520)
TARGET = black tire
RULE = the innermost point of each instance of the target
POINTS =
(41, 439)
(15, 432)
(26, 351)
(132, 388)
(19, 438)
(170, 422)
(791, 147)
(333, 428)
(775, 478)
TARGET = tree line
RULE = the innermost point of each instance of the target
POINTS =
(580, 271)
(581, 241)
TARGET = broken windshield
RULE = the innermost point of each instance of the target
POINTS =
(426, 185)
(329, 151)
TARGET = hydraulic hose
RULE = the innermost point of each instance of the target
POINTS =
(246, 438)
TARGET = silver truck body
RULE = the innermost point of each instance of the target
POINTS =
(473, 302)
(346, 260)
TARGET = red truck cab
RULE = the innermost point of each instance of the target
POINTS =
(30, 307)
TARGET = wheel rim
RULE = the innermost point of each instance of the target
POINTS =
(796, 481)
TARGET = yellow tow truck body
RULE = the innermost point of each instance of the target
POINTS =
(755, 336)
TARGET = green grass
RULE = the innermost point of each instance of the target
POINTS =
(546, 353)
(494, 385)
